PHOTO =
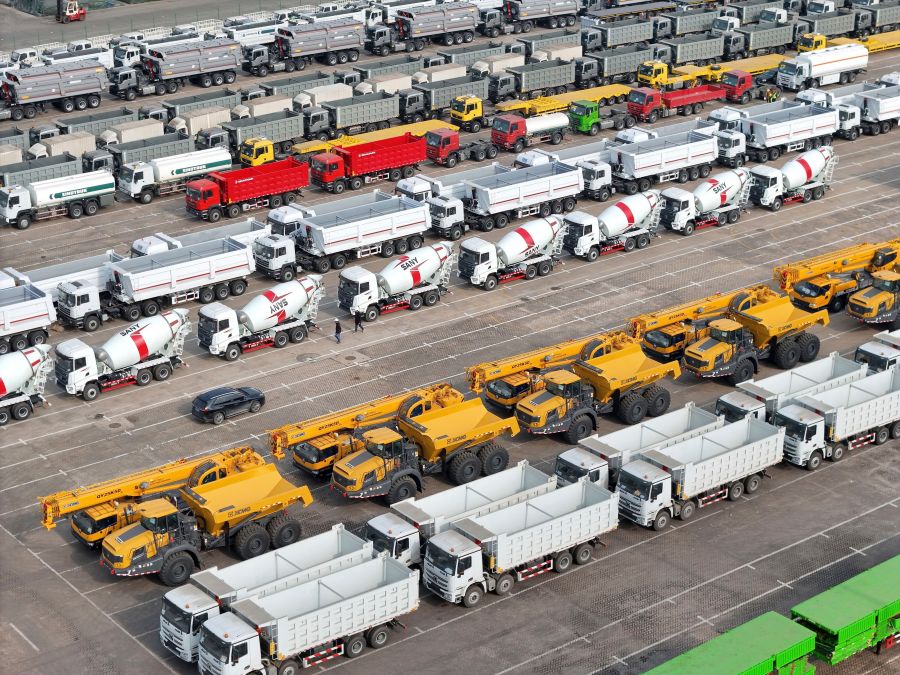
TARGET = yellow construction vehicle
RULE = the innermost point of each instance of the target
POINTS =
(467, 112)
(754, 329)
(506, 381)
(249, 511)
(623, 381)
(665, 334)
(310, 148)
(880, 303)
(459, 440)
(99, 509)
(316, 444)
(879, 42)
(544, 105)
(826, 281)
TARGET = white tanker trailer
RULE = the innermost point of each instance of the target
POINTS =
(418, 278)
(719, 200)
(145, 351)
(279, 315)
(531, 250)
(23, 375)
(143, 181)
(80, 195)
(628, 224)
(803, 179)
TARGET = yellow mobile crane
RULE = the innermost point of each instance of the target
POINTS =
(506, 381)
(316, 444)
(828, 280)
(104, 507)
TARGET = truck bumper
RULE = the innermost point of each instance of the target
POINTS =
(148, 567)
(197, 214)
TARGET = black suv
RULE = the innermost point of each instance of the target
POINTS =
(217, 404)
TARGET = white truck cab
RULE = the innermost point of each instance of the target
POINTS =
(881, 353)
(455, 563)
(230, 647)
(736, 405)
(360, 286)
(79, 305)
(644, 490)
(389, 532)
(768, 183)
(184, 610)
(576, 463)
(804, 433)
(731, 144)
(478, 258)
(76, 365)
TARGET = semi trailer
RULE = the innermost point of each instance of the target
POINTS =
(841, 63)
(26, 313)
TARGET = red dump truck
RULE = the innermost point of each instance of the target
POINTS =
(355, 165)
(648, 105)
(230, 193)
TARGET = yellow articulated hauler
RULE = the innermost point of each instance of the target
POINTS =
(459, 440)
(96, 510)
(880, 303)
(249, 511)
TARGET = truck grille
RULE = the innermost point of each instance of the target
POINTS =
(343, 481)
(856, 308)
(466, 267)
(527, 419)
(262, 263)
(756, 193)
(693, 362)
(570, 241)
(204, 335)
(111, 558)
(345, 297)
(61, 371)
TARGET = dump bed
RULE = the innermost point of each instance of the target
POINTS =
(15, 136)
(149, 149)
(859, 406)
(407, 65)
(24, 308)
(365, 109)
(284, 125)
(360, 160)
(628, 32)
(625, 59)
(720, 456)
(177, 107)
(671, 152)
(36, 170)
(519, 188)
(778, 318)
(542, 525)
(879, 105)
(51, 83)
(291, 86)
(311, 39)
(94, 123)
(623, 369)
(549, 38)
(245, 231)
(693, 48)
(92, 271)
(439, 95)
(790, 125)
(467, 55)
(543, 75)
(465, 423)
(434, 514)
(340, 604)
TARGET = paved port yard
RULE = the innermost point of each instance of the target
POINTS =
(647, 597)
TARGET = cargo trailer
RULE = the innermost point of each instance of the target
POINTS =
(677, 156)
(772, 134)
(609, 66)
(696, 49)
(449, 23)
(68, 87)
(26, 313)
(296, 45)
(757, 39)
(432, 100)
(283, 129)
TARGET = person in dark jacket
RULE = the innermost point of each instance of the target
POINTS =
(337, 330)
(358, 322)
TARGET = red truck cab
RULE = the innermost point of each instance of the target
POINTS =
(440, 143)
(643, 101)
(326, 168)
(201, 195)
(507, 129)
(738, 85)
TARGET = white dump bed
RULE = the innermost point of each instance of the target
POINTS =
(24, 308)
(879, 105)
(720, 456)
(661, 155)
(245, 232)
(179, 270)
(451, 186)
(789, 125)
(520, 188)
(341, 604)
(782, 388)
(284, 568)
(551, 522)
(860, 406)
(434, 514)
(92, 271)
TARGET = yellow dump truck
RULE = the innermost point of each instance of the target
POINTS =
(623, 381)
(459, 440)
(773, 329)
(880, 303)
(316, 444)
(249, 511)
(96, 510)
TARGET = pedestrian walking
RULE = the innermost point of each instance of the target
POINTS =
(337, 330)
(358, 322)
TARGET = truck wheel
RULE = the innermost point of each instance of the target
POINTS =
(17, 114)
(233, 210)
(356, 183)
(661, 521)
(206, 81)
(218, 79)
(751, 484)
(652, 117)
(742, 372)
(501, 220)
(631, 188)
(338, 187)
(583, 554)
(131, 312)
(556, 138)
(130, 95)
(68, 105)
(371, 314)
(287, 273)
(4, 347)
(21, 411)
(415, 302)
(456, 233)
(777, 203)
(402, 488)
(4, 416)
(773, 154)
(354, 646)
(90, 392)
(814, 461)
(464, 468)
(882, 435)
(237, 287)
(818, 193)
(563, 562)
(214, 215)
(530, 272)
(544, 268)
(687, 510)
(504, 585)
(895, 430)
(23, 222)
(162, 372)
(76, 210)
(809, 347)
(401, 246)
(580, 428)
(218, 418)
(280, 340)
(297, 334)
(144, 377)
(736, 491)
(519, 146)
(473, 596)
(221, 291)
(490, 283)
(592, 254)
(492, 152)
(232, 352)
(658, 400)
(431, 298)
(91, 323)
(177, 569)
(284, 530)
(786, 354)
(632, 408)
(146, 197)
(289, 666)
(150, 308)
(643, 240)
(494, 458)
(159, 89)
(206, 295)
(479, 155)
(251, 541)
(451, 161)
(378, 637)
(387, 249)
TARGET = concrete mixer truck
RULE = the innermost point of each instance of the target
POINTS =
(419, 278)
(531, 250)
(626, 225)
(279, 315)
(23, 375)
(803, 179)
(719, 200)
(148, 349)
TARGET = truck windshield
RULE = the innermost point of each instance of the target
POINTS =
(380, 541)
(467, 257)
(440, 558)
(154, 524)
(568, 472)
(432, 140)
(633, 485)
(346, 286)
(88, 525)
(579, 110)
(67, 299)
(556, 389)
(875, 362)
(730, 80)
(637, 97)
(807, 42)
(214, 646)
(318, 165)
(720, 335)
(793, 428)
(501, 125)
(501, 389)
(657, 338)
(889, 285)
(176, 616)
(730, 412)
(645, 70)
(193, 194)
(208, 325)
(787, 67)
(458, 105)
(4, 199)
(125, 174)
(807, 289)
(263, 251)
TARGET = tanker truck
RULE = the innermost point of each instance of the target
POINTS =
(531, 250)
(719, 200)
(803, 179)
(418, 278)
(515, 133)
(23, 375)
(142, 181)
(75, 196)
(279, 315)
(626, 225)
(148, 349)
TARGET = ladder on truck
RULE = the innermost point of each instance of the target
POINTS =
(829, 170)
(556, 245)
(40, 378)
(653, 219)
(176, 347)
(744, 196)
(447, 270)
(312, 307)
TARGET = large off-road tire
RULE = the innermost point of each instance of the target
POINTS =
(251, 541)
(786, 354)
(580, 429)
(743, 371)
(402, 488)
(494, 458)
(658, 400)
(284, 530)
(177, 569)
(632, 408)
(464, 468)
(809, 347)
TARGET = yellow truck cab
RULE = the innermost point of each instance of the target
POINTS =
(467, 112)
(880, 303)
(256, 151)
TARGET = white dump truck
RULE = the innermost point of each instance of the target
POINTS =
(592, 158)
(531, 250)
(880, 353)
(840, 63)
(130, 131)
(300, 627)
(193, 122)
(719, 201)
(211, 592)
(279, 315)
(770, 135)
(415, 279)
(389, 83)
(542, 534)
(92, 271)
(498, 63)
(720, 464)
(76, 144)
(145, 351)
(246, 232)
(26, 313)
(600, 457)
(803, 179)
(681, 156)
(75, 196)
(628, 224)
(763, 398)
(404, 531)
(142, 181)
(23, 375)
(316, 96)
(209, 271)
(830, 423)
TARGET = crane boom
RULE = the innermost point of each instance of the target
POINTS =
(863, 257)
(154, 481)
